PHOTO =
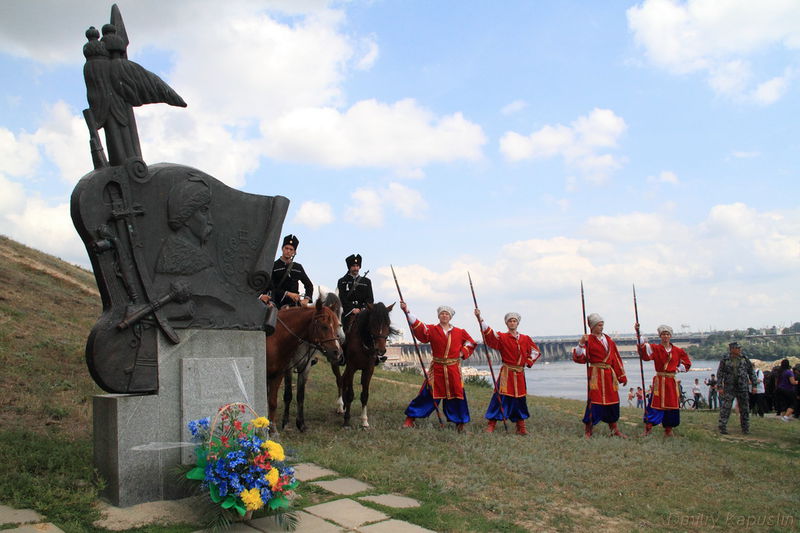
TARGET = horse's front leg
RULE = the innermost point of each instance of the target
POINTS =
(338, 375)
(273, 386)
(287, 397)
(302, 379)
(366, 377)
(347, 392)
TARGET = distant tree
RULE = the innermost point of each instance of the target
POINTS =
(794, 328)
(752, 331)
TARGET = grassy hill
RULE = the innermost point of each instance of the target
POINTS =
(552, 480)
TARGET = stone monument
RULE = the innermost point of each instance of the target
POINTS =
(179, 259)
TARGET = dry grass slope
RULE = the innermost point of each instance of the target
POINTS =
(47, 308)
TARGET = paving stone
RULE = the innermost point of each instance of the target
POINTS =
(238, 527)
(346, 512)
(44, 527)
(9, 515)
(392, 500)
(309, 471)
(344, 486)
(394, 526)
(307, 523)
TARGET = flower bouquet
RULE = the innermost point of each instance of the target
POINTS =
(240, 467)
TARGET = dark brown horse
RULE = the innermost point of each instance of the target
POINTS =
(299, 333)
(365, 340)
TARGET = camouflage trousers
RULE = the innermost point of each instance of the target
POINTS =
(743, 401)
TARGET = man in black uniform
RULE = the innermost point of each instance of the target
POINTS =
(286, 276)
(355, 292)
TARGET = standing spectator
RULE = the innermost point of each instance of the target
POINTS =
(631, 396)
(769, 388)
(697, 393)
(639, 397)
(784, 391)
(712, 392)
(757, 401)
(735, 375)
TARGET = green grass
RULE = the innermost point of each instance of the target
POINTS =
(553, 478)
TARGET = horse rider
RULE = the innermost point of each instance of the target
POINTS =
(517, 351)
(355, 292)
(287, 275)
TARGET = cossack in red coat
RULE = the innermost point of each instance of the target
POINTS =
(605, 370)
(516, 352)
(448, 350)
(665, 389)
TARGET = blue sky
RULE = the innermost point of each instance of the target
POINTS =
(533, 144)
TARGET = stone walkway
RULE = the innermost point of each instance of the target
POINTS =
(27, 521)
(338, 514)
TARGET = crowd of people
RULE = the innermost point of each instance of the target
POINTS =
(737, 379)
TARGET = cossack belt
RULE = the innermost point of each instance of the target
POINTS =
(446, 360)
(514, 368)
(666, 374)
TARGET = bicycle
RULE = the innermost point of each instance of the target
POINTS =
(686, 403)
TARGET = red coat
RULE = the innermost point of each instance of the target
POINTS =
(516, 352)
(448, 349)
(605, 370)
(665, 389)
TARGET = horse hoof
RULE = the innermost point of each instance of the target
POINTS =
(365, 426)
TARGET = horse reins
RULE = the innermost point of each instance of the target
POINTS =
(315, 345)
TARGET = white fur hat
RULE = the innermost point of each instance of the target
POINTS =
(445, 308)
(512, 315)
(593, 319)
(664, 327)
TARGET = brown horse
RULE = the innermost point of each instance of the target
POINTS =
(365, 340)
(299, 331)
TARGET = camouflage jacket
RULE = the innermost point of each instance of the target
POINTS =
(727, 381)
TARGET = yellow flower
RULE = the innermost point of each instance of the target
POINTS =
(261, 422)
(252, 499)
(272, 476)
(274, 449)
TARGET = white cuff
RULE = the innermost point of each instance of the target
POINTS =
(681, 368)
(411, 318)
(484, 325)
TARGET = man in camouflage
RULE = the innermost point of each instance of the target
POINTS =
(735, 379)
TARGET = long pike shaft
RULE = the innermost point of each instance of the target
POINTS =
(416, 349)
(638, 342)
(488, 357)
(588, 369)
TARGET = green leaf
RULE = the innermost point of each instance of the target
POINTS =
(278, 502)
(196, 473)
(293, 485)
(229, 502)
(240, 508)
(213, 492)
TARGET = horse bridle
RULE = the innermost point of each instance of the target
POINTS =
(314, 345)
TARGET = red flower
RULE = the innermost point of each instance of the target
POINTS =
(224, 440)
(261, 461)
(237, 425)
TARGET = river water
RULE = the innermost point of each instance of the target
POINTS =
(565, 379)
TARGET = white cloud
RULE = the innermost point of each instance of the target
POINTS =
(578, 144)
(402, 135)
(65, 140)
(369, 53)
(12, 196)
(719, 37)
(665, 176)
(314, 214)
(745, 155)
(772, 90)
(43, 226)
(514, 107)
(368, 209)
(683, 273)
(18, 154)
(370, 204)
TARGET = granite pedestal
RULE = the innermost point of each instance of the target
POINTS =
(139, 439)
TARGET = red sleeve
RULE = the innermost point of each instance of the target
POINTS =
(531, 358)
(420, 331)
(466, 350)
(642, 349)
(492, 339)
(580, 358)
(684, 358)
(616, 362)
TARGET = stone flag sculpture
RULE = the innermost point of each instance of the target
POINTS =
(171, 246)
